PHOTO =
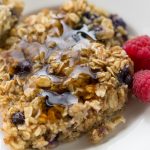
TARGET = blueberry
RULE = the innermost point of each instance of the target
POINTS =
(87, 15)
(90, 16)
(23, 68)
(18, 118)
(125, 37)
(128, 80)
(125, 77)
(117, 21)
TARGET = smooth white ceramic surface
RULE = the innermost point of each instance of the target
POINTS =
(135, 134)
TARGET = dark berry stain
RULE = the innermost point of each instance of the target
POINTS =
(125, 38)
(23, 68)
(128, 80)
(87, 14)
(117, 21)
(18, 118)
(90, 16)
(125, 77)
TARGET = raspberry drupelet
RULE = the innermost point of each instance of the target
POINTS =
(139, 51)
(141, 85)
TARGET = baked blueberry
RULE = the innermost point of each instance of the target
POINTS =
(125, 76)
(18, 118)
(23, 68)
(117, 21)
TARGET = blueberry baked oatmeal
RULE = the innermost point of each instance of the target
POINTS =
(63, 73)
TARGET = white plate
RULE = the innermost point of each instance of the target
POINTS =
(135, 134)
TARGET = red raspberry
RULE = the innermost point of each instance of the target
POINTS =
(138, 50)
(141, 85)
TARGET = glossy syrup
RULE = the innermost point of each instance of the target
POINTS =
(44, 72)
(70, 42)
(62, 99)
